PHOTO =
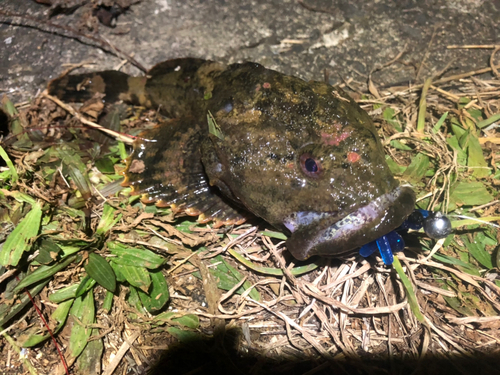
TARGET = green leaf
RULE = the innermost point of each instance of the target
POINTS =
(16, 127)
(479, 253)
(469, 194)
(254, 293)
(227, 277)
(135, 257)
(456, 127)
(107, 222)
(43, 273)
(105, 165)
(452, 260)
(422, 107)
(183, 335)
(122, 151)
(107, 304)
(117, 268)
(296, 271)
(90, 359)
(458, 305)
(395, 167)
(59, 315)
(100, 270)
(399, 145)
(134, 300)
(158, 296)
(74, 166)
(13, 172)
(476, 158)
(136, 276)
(64, 294)
(410, 292)
(440, 122)
(82, 314)
(469, 268)
(21, 197)
(461, 154)
(85, 285)
(185, 225)
(19, 240)
(8, 312)
(48, 251)
(390, 116)
(417, 168)
(213, 127)
(189, 320)
(277, 235)
(488, 121)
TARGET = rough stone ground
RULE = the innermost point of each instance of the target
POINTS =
(302, 37)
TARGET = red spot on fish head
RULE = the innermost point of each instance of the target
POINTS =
(266, 85)
(353, 157)
(334, 139)
(290, 165)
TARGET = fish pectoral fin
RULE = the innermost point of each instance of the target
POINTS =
(165, 168)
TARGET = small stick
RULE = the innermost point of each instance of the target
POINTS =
(492, 62)
(452, 96)
(67, 32)
(442, 80)
(120, 137)
(473, 46)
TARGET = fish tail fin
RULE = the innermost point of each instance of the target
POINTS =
(113, 84)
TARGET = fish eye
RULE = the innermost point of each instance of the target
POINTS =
(310, 165)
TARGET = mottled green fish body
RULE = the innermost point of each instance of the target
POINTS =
(301, 155)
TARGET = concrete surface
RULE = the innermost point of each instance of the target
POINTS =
(344, 37)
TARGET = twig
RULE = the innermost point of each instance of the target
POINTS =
(439, 81)
(121, 352)
(120, 137)
(473, 46)
(492, 62)
(67, 32)
(454, 97)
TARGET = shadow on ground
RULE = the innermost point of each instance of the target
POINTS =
(222, 355)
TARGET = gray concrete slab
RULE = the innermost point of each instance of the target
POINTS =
(347, 38)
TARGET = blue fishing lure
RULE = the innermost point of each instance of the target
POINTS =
(435, 224)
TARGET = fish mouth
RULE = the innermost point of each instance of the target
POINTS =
(327, 234)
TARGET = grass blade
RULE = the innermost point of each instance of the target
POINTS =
(81, 315)
(422, 107)
(296, 271)
(410, 292)
(107, 221)
(43, 273)
(13, 172)
(19, 240)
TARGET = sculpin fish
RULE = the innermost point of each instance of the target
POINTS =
(301, 155)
